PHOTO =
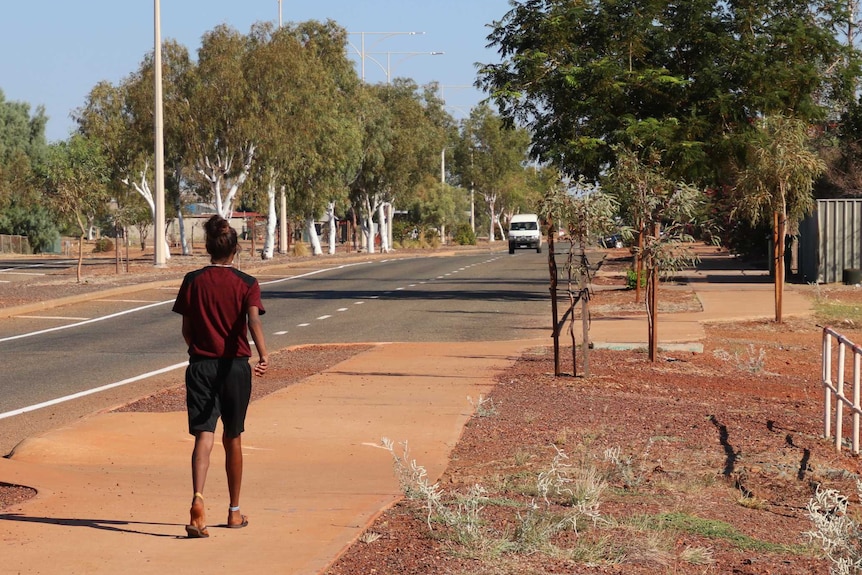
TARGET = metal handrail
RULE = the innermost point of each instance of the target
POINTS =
(834, 388)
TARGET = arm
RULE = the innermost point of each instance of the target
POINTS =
(255, 326)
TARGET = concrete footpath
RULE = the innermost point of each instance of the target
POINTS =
(114, 488)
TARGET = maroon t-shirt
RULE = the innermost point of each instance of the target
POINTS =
(216, 301)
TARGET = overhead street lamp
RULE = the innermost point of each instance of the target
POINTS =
(382, 36)
(388, 69)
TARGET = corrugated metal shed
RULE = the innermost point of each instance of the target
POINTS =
(830, 241)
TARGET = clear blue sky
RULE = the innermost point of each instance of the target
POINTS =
(55, 51)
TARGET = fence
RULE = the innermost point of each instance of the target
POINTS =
(834, 379)
(14, 245)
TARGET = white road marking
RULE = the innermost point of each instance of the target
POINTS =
(280, 332)
(94, 320)
(84, 393)
(303, 325)
(399, 289)
(11, 272)
(343, 266)
(128, 300)
(342, 309)
(324, 317)
(358, 302)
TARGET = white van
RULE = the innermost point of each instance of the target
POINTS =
(525, 232)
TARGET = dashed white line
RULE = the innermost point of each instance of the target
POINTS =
(303, 325)
(358, 302)
(280, 332)
(342, 309)
(324, 317)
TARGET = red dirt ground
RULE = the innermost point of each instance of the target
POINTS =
(707, 461)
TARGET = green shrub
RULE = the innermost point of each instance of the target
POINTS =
(465, 236)
(103, 245)
(631, 278)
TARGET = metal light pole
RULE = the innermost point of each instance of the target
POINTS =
(407, 55)
(383, 36)
(159, 240)
(282, 223)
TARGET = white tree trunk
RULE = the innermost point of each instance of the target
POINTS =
(382, 226)
(312, 236)
(181, 222)
(369, 206)
(269, 241)
(390, 213)
(491, 200)
(330, 211)
(500, 225)
(215, 173)
(143, 188)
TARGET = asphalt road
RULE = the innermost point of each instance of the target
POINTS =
(117, 344)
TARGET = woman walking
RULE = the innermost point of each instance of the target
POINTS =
(219, 305)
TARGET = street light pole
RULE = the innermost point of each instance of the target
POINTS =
(282, 227)
(384, 35)
(159, 239)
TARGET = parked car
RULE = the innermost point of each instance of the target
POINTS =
(612, 241)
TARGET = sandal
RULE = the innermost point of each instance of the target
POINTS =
(236, 525)
(193, 531)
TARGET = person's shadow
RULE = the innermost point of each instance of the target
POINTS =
(104, 524)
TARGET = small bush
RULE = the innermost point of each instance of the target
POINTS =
(103, 245)
(300, 249)
(836, 532)
(631, 278)
(465, 236)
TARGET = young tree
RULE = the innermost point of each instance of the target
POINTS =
(776, 182)
(579, 211)
(76, 176)
(664, 210)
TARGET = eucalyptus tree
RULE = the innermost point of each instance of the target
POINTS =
(491, 156)
(178, 77)
(75, 179)
(105, 119)
(327, 132)
(684, 78)
(366, 190)
(22, 147)
(776, 182)
(218, 126)
(121, 118)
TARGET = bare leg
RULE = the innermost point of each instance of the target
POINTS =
(204, 441)
(233, 469)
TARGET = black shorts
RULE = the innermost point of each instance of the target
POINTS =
(218, 388)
